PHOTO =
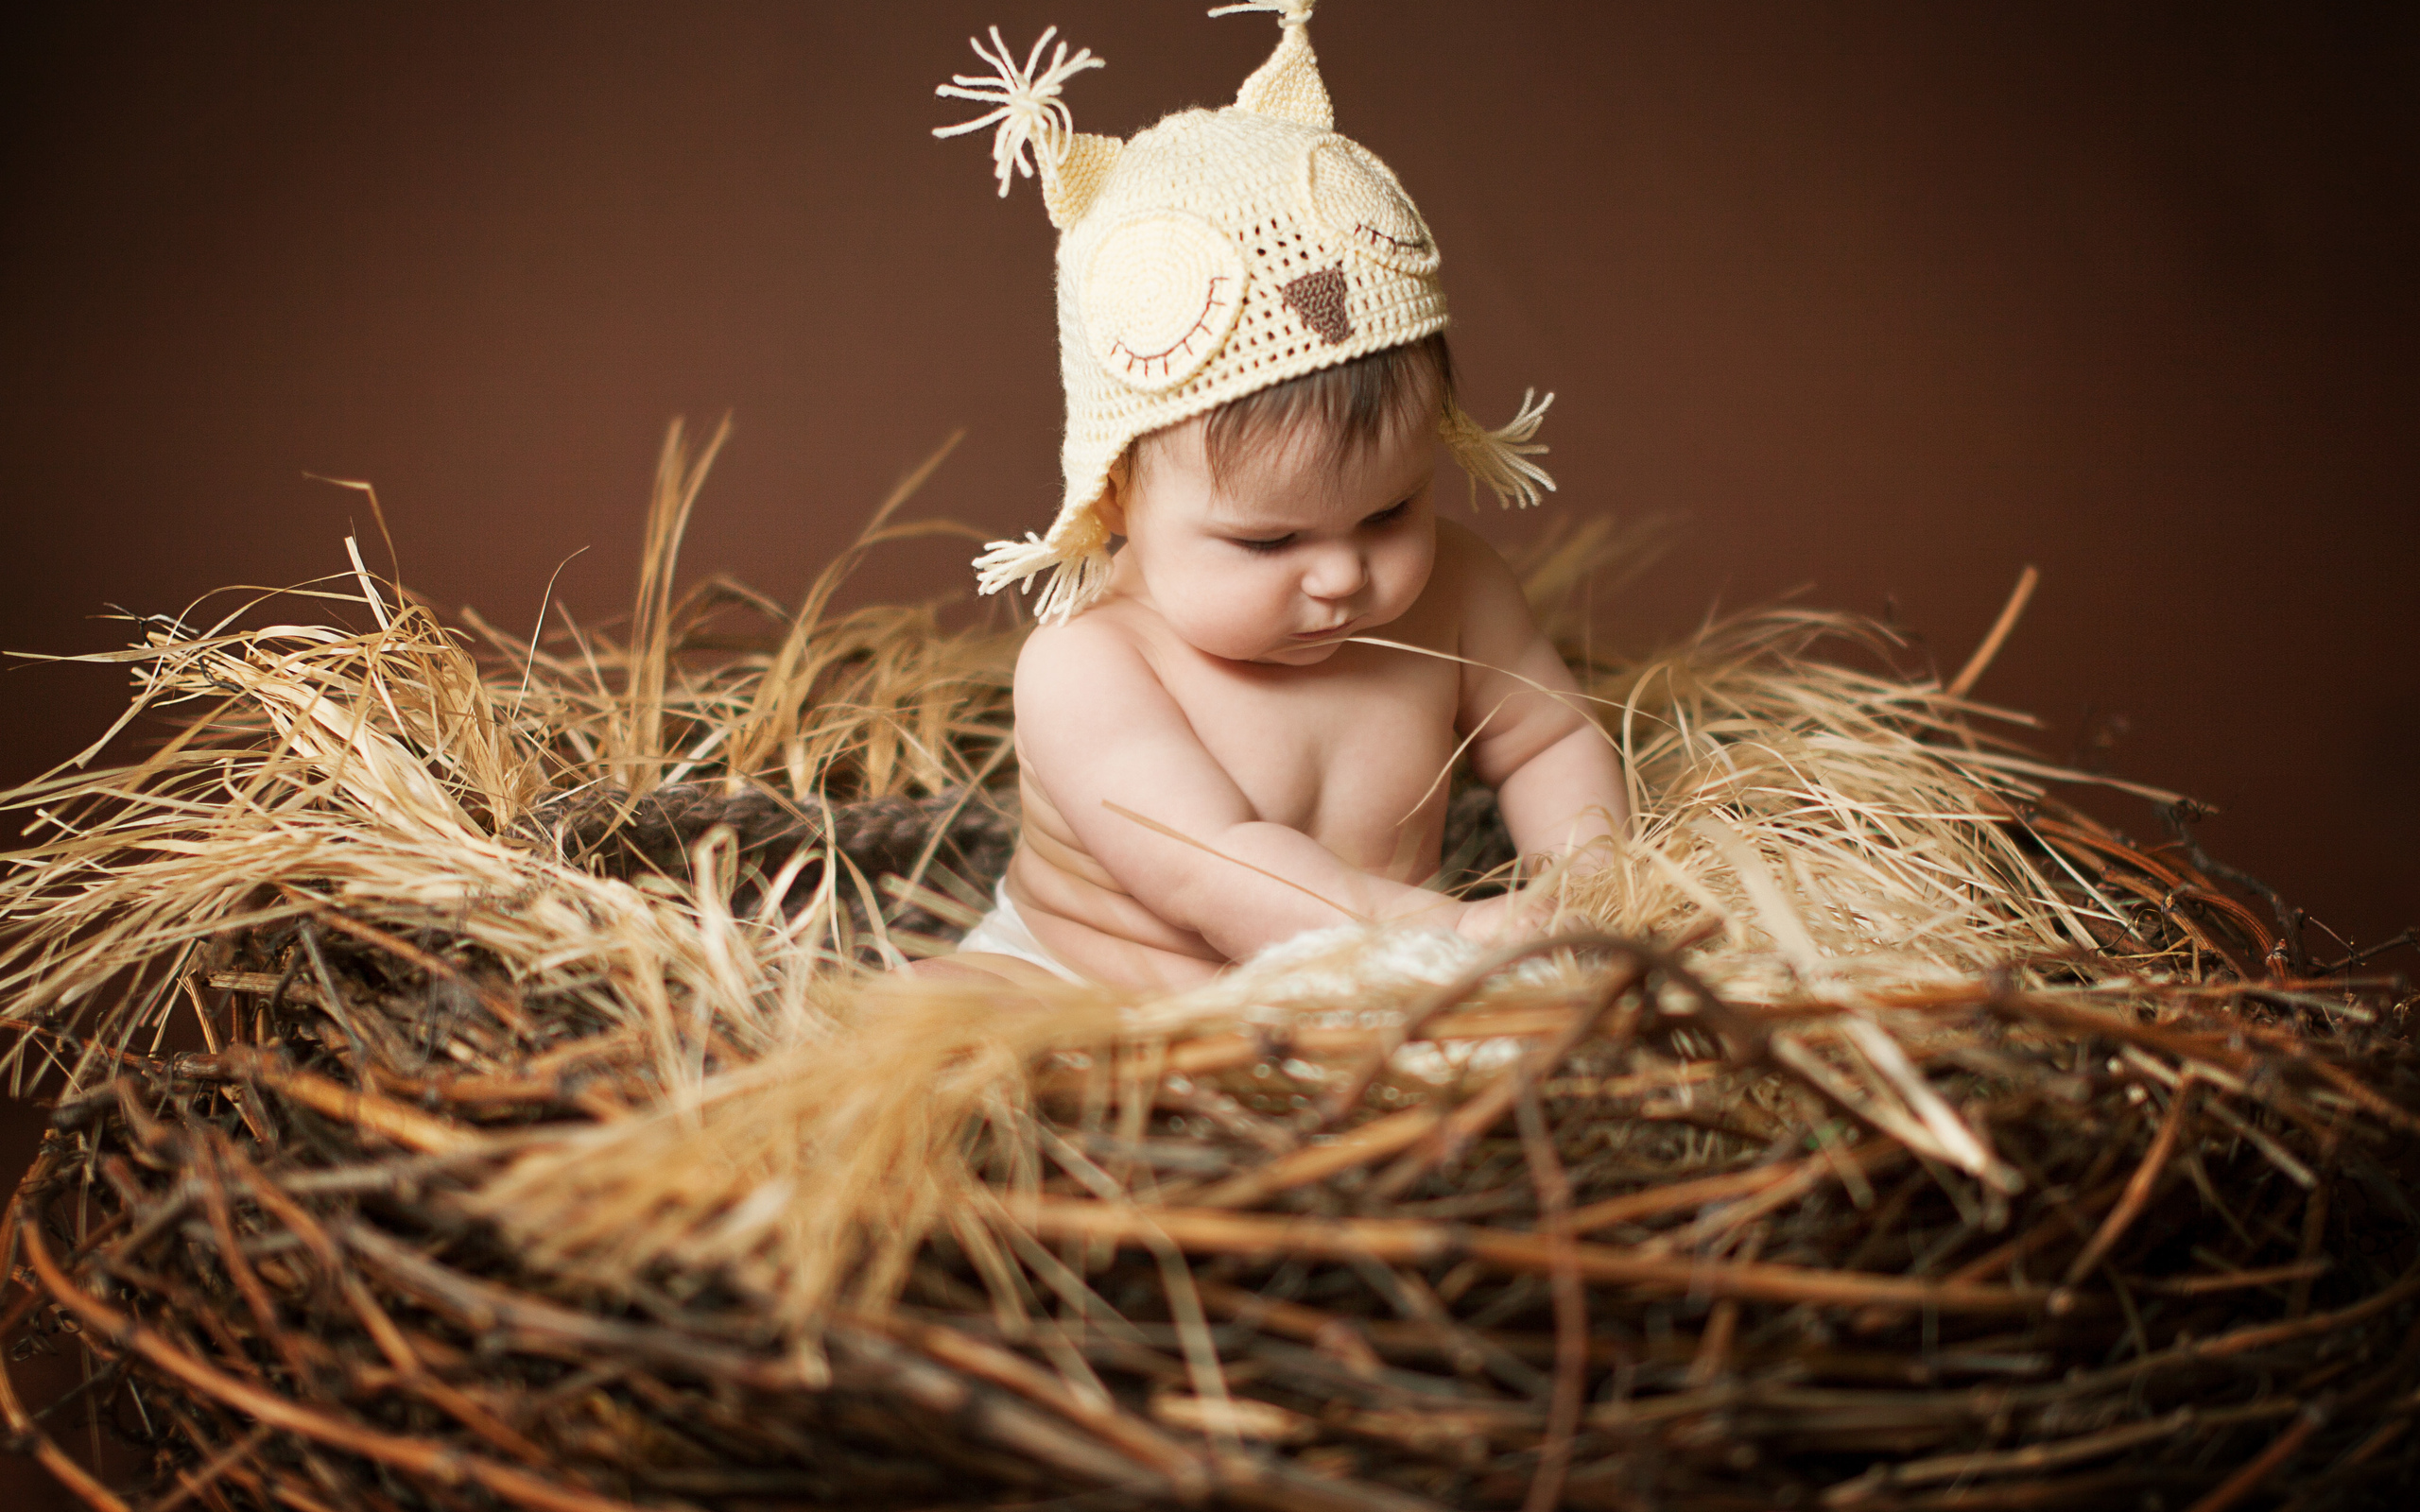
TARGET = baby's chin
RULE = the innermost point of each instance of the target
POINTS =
(1241, 644)
(1261, 651)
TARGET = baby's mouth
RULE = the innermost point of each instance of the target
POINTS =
(1328, 634)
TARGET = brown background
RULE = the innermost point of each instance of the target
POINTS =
(1883, 298)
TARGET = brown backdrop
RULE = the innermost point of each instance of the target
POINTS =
(1882, 298)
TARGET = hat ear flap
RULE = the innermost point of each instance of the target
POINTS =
(1072, 180)
(1288, 86)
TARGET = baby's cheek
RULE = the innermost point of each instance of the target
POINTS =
(1222, 611)
(1255, 615)
(1407, 571)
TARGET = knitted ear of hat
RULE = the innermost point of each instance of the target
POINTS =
(1206, 258)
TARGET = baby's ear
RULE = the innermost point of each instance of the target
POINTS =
(1111, 507)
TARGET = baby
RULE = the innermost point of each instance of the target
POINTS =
(1238, 726)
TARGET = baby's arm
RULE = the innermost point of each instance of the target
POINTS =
(1556, 776)
(1096, 729)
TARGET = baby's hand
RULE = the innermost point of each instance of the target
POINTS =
(1512, 915)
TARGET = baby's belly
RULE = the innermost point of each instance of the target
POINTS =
(1082, 916)
(1354, 753)
(1373, 793)
(1379, 805)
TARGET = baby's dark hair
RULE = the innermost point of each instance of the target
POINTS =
(1354, 405)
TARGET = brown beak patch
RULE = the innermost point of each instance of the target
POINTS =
(1319, 299)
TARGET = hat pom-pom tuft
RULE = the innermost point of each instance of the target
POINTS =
(1024, 100)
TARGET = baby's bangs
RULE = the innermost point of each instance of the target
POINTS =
(1354, 405)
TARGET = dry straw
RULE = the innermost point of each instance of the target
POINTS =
(477, 1084)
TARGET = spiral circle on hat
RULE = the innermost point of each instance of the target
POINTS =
(1355, 199)
(1162, 291)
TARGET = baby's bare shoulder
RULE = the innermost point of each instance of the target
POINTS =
(1095, 653)
(1087, 643)
(1466, 550)
(1473, 581)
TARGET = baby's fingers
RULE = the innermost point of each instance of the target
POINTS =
(1481, 921)
(1510, 917)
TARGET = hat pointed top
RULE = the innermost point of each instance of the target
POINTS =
(1287, 86)
(1072, 179)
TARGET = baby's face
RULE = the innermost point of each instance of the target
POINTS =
(1295, 552)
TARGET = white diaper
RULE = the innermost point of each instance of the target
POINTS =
(1004, 932)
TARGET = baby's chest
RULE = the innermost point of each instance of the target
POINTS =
(1345, 752)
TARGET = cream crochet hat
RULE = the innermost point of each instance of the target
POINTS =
(1208, 257)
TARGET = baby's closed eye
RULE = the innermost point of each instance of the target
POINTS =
(1391, 514)
(1267, 545)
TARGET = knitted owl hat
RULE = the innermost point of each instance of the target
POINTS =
(1206, 257)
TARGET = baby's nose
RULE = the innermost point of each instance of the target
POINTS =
(1336, 574)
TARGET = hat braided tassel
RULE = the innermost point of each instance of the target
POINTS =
(1500, 459)
(1078, 567)
(1024, 100)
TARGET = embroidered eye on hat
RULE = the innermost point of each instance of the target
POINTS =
(1203, 259)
